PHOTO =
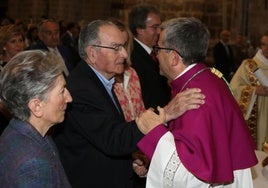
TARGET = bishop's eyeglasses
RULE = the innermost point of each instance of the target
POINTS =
(156, 49)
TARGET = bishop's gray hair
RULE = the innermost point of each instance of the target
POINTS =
(189, 36)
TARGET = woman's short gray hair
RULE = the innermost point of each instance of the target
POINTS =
(29, 74)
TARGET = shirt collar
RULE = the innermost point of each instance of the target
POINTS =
(146, 48)
(185, 70)
(107, 83)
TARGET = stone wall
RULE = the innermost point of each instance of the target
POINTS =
(217, 14)
(69, 10)
(239, 16)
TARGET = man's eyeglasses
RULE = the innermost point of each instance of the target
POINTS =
(116, 48)
(156, 49)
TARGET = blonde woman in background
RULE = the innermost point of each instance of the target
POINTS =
(11, 43)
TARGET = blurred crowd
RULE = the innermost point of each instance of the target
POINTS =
(17, 35)
(110, 73)
(240, 46)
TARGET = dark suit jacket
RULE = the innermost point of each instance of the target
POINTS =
(64, 51)
(223, 62)
(68, 40)
(72, 43)
(155, 89)
(96, 143)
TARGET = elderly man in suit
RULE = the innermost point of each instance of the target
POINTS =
(96, 142)
(223, 55)
(49, 35)
(144, 22)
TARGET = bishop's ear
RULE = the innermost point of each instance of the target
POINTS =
(175, 58)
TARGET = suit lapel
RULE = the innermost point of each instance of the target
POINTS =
(107, 96)
(144, 55)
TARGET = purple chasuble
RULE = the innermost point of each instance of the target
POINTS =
(213, 140)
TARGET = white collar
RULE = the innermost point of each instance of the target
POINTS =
(185, 70)
(146, 48)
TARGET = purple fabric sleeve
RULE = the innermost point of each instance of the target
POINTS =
(149, 142)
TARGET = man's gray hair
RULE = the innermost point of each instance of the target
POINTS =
(89, 35)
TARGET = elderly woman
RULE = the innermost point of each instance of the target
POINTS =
(11, 43)
(32, 86)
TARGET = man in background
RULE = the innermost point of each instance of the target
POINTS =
(144, 22)
(49, 35)
(252, 94)
(70, 39)
(223, 55)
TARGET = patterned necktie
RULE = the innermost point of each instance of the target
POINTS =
(153, 56)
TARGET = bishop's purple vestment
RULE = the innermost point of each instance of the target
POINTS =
(212, 141)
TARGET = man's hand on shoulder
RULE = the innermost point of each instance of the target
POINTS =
(184, 101)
